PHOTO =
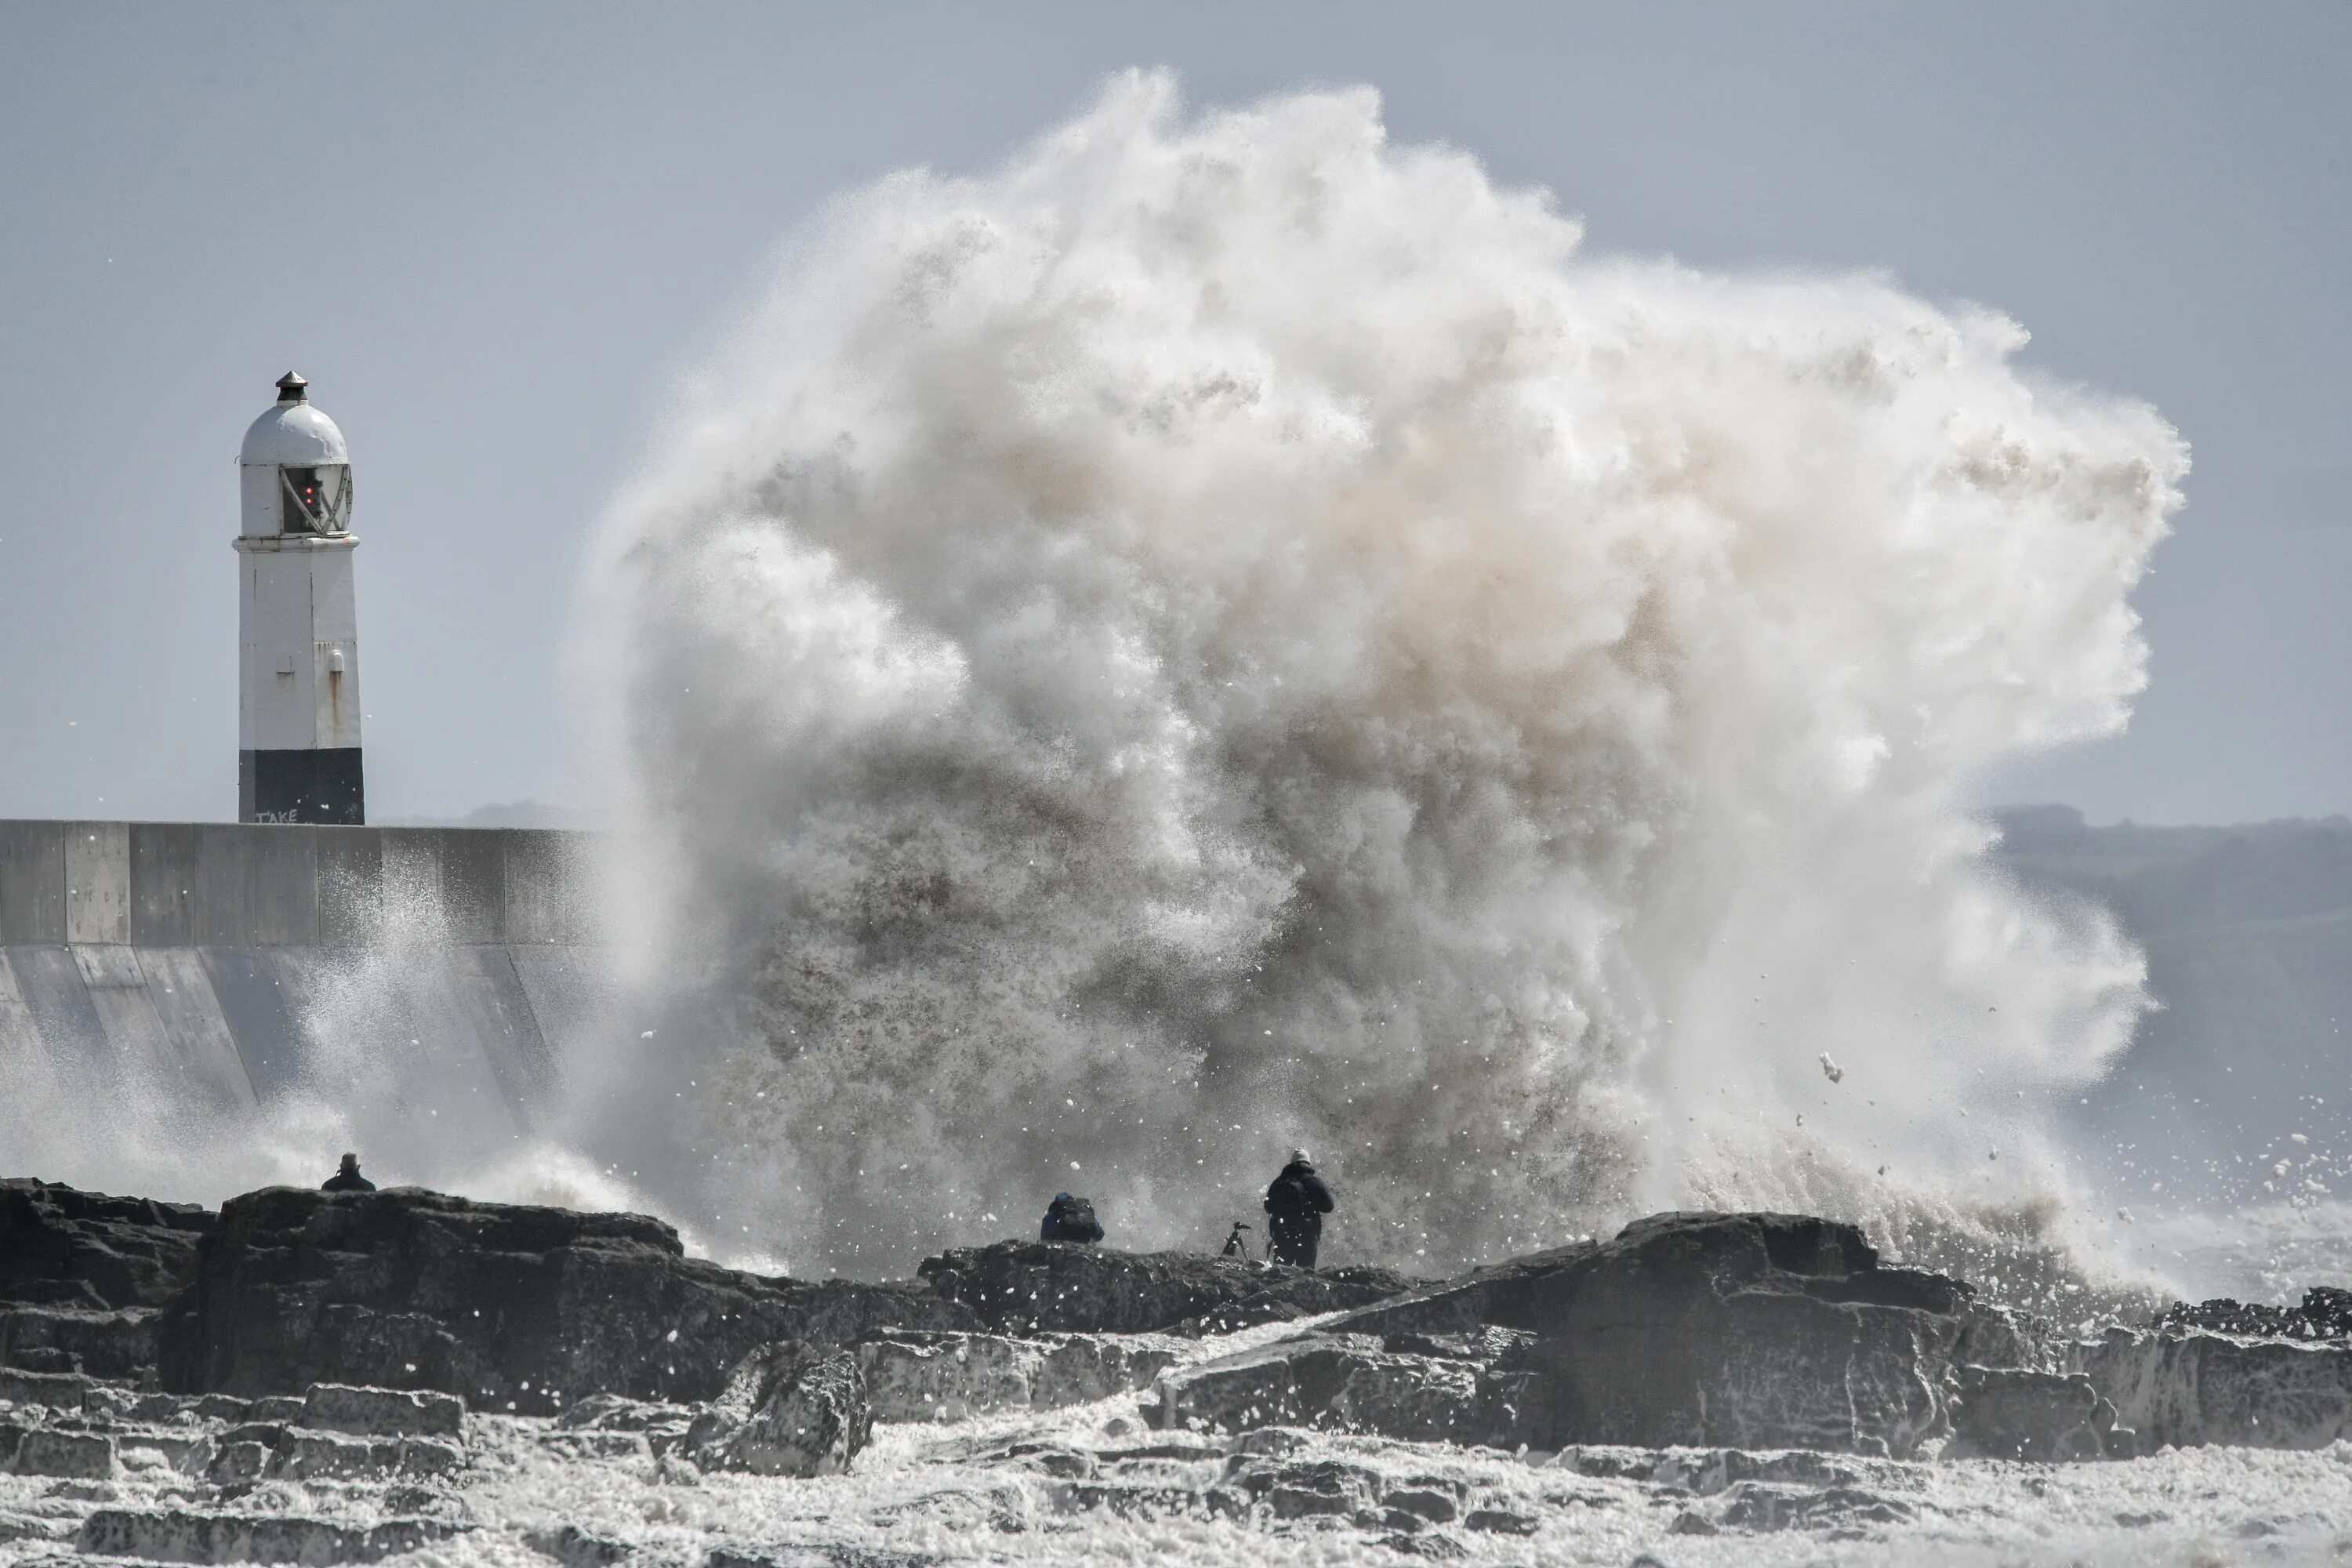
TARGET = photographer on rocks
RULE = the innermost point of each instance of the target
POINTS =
(347, 1179)
(1295, 1206)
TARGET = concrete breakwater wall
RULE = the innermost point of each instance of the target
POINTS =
(208, 960)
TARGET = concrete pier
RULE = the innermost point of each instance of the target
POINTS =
(205, 956)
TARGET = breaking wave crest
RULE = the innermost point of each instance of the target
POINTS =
(1228, 632)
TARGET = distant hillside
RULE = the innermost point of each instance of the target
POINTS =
(2248, 938)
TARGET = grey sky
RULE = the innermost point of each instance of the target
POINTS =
(490, 236)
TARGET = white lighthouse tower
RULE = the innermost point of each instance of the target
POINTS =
(297, 713)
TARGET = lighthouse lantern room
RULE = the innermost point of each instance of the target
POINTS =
(298, 622)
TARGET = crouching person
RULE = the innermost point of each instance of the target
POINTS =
(1070, 1219)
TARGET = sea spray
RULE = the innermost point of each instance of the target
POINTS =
(200, 1073)
(1228, 632)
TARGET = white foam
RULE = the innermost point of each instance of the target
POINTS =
(1228, 632)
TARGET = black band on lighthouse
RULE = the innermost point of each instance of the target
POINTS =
(300, 786)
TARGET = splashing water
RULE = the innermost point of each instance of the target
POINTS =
(372, 1053)
(1228, 633)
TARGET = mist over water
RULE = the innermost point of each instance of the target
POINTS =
(1228, 632)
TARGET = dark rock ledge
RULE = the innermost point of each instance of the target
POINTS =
(63, 1247)
(82, 1276)
(1021, 1287)
(506, 1307)
(1747, 1331)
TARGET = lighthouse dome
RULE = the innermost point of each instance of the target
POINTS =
(293, 435)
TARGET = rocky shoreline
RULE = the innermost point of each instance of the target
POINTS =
(299, 1338)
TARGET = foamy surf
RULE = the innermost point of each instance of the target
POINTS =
(1228, 632)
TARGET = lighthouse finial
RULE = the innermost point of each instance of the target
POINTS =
(290, 387)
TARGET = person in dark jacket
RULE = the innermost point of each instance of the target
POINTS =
(1295, 1206)
(1070, 1219)
(347, 1179)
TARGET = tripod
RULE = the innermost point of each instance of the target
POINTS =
(1237, 1244)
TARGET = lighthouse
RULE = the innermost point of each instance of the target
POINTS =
(298, 710)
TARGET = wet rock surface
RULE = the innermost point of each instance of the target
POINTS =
(576, 1547)
(2188, 1389)
(2034, 1417)
(788, 1409)
(300, 1455)
(1484, 1345)
(60, 1247)
(1348, 1384)
(2324, 1313)
(912, 1376)
(1999, 1337)
(53, 1390)
(1295, 1484)
(1509, 1295)
(609, 1425)
(125, 1472)
(382, 1412)
(1759, 1330)
(504, 1306)
(1020, 1287)
(99, 1341)
(181, 1535)
(55, 1451)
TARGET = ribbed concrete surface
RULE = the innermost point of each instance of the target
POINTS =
(206, 959)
